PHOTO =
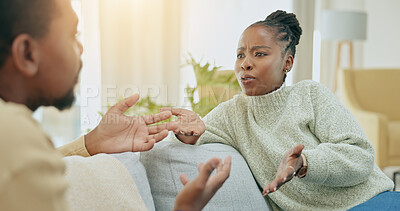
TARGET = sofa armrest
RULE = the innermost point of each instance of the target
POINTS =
(375, 126)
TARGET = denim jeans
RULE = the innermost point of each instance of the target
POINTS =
(388, 200)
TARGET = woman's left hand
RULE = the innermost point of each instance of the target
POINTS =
(189, 125)
(290, 164)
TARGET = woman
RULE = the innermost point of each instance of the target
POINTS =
(287, 131)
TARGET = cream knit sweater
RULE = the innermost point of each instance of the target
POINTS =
(341, 172)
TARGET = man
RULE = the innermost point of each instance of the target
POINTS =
(39, 66)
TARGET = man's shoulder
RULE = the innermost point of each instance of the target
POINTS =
(30, 167)
(19, 132)
(16, 120)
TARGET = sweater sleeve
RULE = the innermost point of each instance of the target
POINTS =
(76, 147)
(219, 128)
(344, 157)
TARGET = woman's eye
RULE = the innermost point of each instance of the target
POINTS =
(239, 56)
(261, 54)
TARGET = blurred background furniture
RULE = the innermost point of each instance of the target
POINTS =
(373, 97)
(344, 27)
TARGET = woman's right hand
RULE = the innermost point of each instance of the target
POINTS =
(189, 125)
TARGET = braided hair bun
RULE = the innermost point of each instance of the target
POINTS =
(287, 28)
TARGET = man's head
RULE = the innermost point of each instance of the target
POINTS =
(39, 52)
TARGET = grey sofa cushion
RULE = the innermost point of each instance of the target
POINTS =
(169, 159)
(138, 172)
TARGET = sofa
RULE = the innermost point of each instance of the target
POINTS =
(156, 174)
(150, 180)
(373, 97)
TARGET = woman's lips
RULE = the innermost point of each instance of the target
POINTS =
(246, 80)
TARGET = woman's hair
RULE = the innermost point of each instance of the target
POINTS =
(287, 29)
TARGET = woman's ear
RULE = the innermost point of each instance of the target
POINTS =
(288, 63)
(25, 54)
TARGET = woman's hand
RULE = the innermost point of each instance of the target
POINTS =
(196, 194)
(189, 125)
(291, 163)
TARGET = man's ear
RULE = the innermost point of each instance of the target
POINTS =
(288, 63)
(25, 54)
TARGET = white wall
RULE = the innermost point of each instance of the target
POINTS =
(211, 30)
(382, 48)
(329, 48)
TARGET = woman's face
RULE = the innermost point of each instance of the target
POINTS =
(260, 63)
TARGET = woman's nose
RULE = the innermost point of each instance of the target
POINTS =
(247, 65)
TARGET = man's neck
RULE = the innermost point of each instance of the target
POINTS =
(13, 89)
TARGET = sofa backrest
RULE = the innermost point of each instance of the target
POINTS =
(376, 90)
(168, 159)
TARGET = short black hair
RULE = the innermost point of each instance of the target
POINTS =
(287, 28)
(17, 17)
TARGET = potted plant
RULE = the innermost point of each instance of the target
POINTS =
(214, 86)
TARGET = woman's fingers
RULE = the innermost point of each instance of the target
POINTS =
(296, 150)
(289, 174)
(189, 123)
(287, 169)
(175, 111)
(154, 118)
(273, 186)
(266, 190)
(283, 176)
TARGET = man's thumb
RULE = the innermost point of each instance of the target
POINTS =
(124, 104)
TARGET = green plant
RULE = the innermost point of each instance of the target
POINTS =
(213, 86)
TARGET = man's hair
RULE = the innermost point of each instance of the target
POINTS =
(17, 17)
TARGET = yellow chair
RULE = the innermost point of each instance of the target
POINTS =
(373, 97)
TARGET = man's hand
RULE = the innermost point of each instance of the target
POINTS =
(119, 133)
(290, 164)
(189, 125)
(196, 194)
